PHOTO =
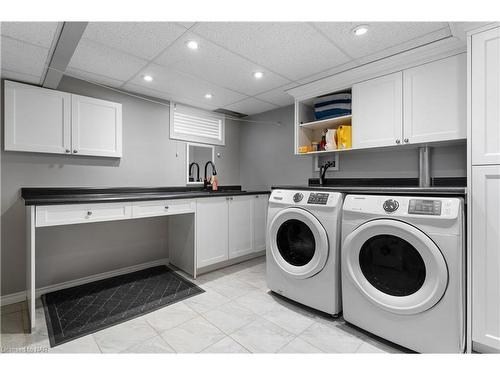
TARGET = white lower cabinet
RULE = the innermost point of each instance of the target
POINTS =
(241, 225)
(229, 227)
(211, 231)
(486, 258)
(259, 222)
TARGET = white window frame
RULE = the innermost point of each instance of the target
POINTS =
(220, 140)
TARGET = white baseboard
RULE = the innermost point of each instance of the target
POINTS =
(21, 296)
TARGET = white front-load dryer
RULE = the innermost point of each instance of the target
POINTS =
(302, 252)
(403, 270)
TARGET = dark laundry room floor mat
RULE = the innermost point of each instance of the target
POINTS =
(78, 311)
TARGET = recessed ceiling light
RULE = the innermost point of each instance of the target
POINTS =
(192, 44)
(147, 78)
(360, 30)
(208, 96)
(258, 75)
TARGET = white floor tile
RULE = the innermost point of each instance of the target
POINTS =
(259, 302)
(170, 316)
(206, 301)
(289, 319)
(153, 345)
(331, 339)
(230, 317)
(299, 346)
(193, 336)
(226, 345)
(85, 344)
(231, 287)
(122, 336)
(262, 336)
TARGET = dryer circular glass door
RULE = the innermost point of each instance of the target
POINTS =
(299, 243)
(395, 265)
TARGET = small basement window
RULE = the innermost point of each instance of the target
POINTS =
(196, 125)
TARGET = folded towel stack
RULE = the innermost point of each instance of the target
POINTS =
(331, 106)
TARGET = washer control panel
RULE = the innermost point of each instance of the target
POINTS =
(297, 197)
(318, 198)
(391, 205)
(424, 207)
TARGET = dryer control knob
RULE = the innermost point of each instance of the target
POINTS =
(391, 205)
(297, 197)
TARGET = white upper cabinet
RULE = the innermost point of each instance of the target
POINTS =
(377, 112)
(240, 226)
(51, 121)
(96, 126)
(485, 97)
(435, 102)
(260, 219)
(36, 119)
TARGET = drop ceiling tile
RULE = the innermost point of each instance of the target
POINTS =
(39, 33)
(216, 64)
(380, 35)
(186, 86)
(22, 57)
(96, 58)
(93, 77)
(7, 74)
(251, 106)
(329, 72)
(153, 94)
(142, 39)
(292, 49)
(278, 96)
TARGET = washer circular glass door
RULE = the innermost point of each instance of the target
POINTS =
(299, 243)
(395, 265)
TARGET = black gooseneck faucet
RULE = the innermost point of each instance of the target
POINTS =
(197, 171)
(322, 171)
(206, 181)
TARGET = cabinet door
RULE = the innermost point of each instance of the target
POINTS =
(435, 101)
(211, 231)
(377, 111)
(485, 97)
(259, 222)
(96, 127)
(36, 119)
(486, 257)
(240, 226)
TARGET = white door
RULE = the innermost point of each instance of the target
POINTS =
(36, 119)
(260, 221)
(211, 231)
(241, 222)
(485, 97)
(96, 127)
(435, 101)
(395, 266)
(486, 257)
(377, 111)
(298, 243)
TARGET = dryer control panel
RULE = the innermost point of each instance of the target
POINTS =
(424, 207)
(318, 198)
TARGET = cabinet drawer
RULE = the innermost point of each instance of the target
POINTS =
(81, 213)
(161, 208)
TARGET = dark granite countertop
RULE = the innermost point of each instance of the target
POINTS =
(397, 186)
(76, 195)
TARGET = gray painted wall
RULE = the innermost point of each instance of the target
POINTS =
(267, 158)
(149, 159)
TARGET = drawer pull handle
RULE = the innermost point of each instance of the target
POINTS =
(89, 213)
(398, 141)
(75, 151)
(407, 140)
(166, 207)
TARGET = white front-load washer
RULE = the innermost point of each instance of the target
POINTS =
(403, 270)
(302, 252)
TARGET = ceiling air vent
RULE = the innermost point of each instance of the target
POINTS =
(227, 112)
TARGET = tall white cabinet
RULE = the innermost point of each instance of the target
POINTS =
(484, 185)
(51, 121)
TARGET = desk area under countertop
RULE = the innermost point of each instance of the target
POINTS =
(68, 206)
